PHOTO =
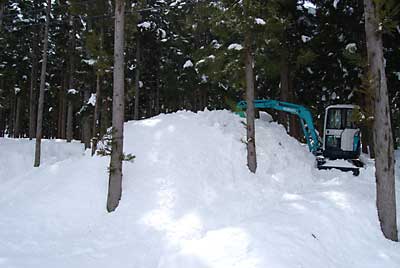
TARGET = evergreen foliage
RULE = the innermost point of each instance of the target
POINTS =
(323, 44)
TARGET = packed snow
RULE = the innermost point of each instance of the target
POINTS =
(188, 64)
(235, 47)
(72, 91)
(351, 47)
(92, 99)
(260, 21)
(188, 201)
(146, 25)
(305, 38)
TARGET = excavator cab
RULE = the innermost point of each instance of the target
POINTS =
(341, 139)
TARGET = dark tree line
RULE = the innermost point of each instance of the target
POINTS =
(314, 57)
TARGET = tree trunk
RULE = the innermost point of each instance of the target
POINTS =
(96, 115)
(115, 180)
(2, 7)
(63, 109)
(104, 116)
(11, 116)
(33, 95)
(284, 94)
(383, 140)
(70, 130)
(60, 109)
(70, 118)
(157, 104)
(364, 139)
(42, 85)
(1, 122)
(137, 79)
(86, 122)
(17, 125)
(250, 112)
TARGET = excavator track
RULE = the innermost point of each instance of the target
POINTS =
(352, 165)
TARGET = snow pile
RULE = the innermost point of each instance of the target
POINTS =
(189, 201)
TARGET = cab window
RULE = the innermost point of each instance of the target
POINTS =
(340, 119)
(350, 120)
(334, 119)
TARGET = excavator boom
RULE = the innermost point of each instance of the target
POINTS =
(303, 113)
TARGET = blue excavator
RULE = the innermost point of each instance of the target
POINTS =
(340, 145)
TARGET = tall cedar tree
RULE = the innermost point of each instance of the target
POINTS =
(250, 112)
(115, 180)
(39, 124)
(384, 153)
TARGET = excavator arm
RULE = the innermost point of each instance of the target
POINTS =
(303, 113)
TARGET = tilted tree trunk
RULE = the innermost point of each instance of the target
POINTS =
(115, 180)
(383, 140)
(250, 112)
(42, 85)
(137, 79)
(96, 115)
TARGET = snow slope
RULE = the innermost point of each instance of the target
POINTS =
(188, 201)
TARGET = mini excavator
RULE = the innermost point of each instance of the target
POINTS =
(340, 146)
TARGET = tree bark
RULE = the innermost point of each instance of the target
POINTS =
(42, 86)
(63, 109)
(284, 94)
(32, 92)
(2, 7)
(70, 115)
(17, 125)
(86, 122)
(137, 79)
(250, 112)
(115, 180)
(11, 116)
(157, 104)
(383, 140)
(70, 130)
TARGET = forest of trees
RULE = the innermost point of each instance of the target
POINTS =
(182, 55)
(186, 55)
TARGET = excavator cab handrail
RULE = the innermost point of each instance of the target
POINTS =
(302, 112)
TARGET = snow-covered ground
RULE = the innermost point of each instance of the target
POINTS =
(188, 201)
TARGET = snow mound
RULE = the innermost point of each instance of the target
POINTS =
(189, 201)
